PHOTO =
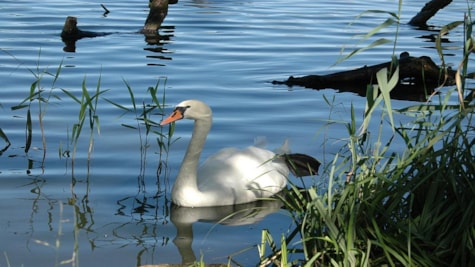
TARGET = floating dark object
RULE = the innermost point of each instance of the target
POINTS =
(72, 32)
(418, 76)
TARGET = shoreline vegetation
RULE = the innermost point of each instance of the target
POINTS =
(388, 209)
(380, 208)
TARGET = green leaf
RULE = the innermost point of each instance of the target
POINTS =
(386, 87)
(71, 96)
(378, 42)
(381, 26)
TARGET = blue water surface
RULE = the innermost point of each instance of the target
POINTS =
(105, 201)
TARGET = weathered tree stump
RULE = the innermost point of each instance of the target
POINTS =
(156, 15)
(418, 76)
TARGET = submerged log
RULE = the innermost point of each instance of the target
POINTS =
(418, 76)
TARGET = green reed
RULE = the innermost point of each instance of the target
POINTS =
(87, 104)
(43, 89)
(146, 125)
(38, 95)
(394, 18)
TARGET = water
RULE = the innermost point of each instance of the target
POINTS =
(223, 52)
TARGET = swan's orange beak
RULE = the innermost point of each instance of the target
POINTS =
(177, 114)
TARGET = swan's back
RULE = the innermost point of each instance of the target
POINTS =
(241, 176)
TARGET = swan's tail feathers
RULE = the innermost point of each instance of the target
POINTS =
(284, 149)
(301, 165)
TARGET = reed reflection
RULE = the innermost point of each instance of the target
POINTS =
(64, 219)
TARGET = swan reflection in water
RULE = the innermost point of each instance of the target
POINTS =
(233, 215)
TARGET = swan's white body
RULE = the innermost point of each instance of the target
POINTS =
(231, 176)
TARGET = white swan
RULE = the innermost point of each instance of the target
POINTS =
(231, 176)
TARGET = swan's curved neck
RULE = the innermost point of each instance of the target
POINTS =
(186, 180)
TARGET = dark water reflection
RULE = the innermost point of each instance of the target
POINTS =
(112, 208)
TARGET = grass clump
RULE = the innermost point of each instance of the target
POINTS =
(41, 96)
(385, 208)
(87, 109)
(409, 209)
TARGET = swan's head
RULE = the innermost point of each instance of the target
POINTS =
(189, 109)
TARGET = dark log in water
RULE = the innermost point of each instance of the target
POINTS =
(429, 10)
(418, 77)
(72, 32)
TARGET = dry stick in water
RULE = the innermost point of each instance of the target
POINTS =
(105, 9)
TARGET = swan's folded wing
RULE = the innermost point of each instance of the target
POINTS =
(250, 169)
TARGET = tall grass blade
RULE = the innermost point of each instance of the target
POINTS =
(131, 94)
(73, 97)
(283, 248)
(375, 43)
(385, 87)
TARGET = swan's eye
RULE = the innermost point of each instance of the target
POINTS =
(181, 110)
